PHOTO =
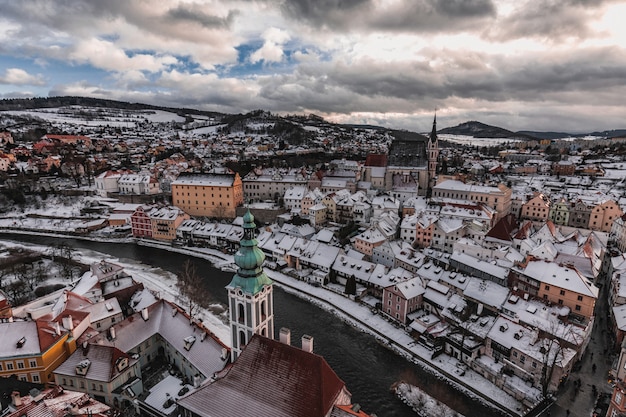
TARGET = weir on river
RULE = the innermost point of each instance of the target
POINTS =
(367, 367)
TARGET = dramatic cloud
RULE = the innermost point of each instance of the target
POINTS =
(17, 76)
(520, 64)
(272, 49)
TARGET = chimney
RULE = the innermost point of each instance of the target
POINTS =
(112, 333)
(16, 399)
(285, 336)
(57, 328)
(307, 343)
(144, 314)
(68, 323)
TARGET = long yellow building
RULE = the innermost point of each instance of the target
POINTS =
(209, 195)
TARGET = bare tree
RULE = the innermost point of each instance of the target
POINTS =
(553, 347)
(193, 294)
(65, 256)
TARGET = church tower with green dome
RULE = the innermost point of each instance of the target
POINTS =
(250, 296)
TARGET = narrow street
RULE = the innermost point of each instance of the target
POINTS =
(578, 399)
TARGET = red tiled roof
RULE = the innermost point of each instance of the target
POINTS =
(46, 331)
(270, 379)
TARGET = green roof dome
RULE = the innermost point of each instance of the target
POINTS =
(249, 260)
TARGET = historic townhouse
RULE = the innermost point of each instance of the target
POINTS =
(209, 195)
(580, 214)
(104, 372)
(140, 223)
(536, 209)
(618, 233)
(603, 214)
(559, 212)
(498, 198)
(164, 222)
(33, 349)
(556, 284)
(403, 298)
(269, 184)
(138, 184)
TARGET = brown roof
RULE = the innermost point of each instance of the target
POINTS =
(503, 229)
(270, 379)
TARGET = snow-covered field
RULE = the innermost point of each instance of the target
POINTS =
(96, 116)
(480, 142)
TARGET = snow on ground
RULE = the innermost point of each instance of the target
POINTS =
(205, 129)
(155, 279)
(95, 116)
(422, 403)
(161, 116)
(472, 141)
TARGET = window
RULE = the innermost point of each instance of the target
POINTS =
(35, 377)
(20, 365)
(547, 288)
(9, 366)
(562, 292)
(577, 307)
(579, 298)
(32, 363)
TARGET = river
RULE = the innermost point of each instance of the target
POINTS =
(367, 368)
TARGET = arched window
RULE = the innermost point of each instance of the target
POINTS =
(242, 338)
(241, 313)
(263, 310)
(263, 332)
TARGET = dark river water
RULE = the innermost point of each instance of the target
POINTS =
(367, 368)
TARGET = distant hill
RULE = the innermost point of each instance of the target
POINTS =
(560, 135)
(49, 102)
(482, 130)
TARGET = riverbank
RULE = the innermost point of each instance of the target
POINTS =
(423, 404)
(357, 315)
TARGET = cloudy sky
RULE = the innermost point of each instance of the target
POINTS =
(518, 64)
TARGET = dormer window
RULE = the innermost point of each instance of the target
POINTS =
(121, 364)
(83, 367)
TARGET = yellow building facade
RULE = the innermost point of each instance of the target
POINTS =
(31, 350)
(209, 195)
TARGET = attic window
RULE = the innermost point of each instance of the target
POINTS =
(108, 306)
(121, 364)
(21, 342)
(504, 327)
(83, 367)
(518, 335)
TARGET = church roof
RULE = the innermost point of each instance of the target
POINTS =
(269, 378)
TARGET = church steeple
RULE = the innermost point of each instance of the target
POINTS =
(250, 296)
(433, 133)
(433, 155)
